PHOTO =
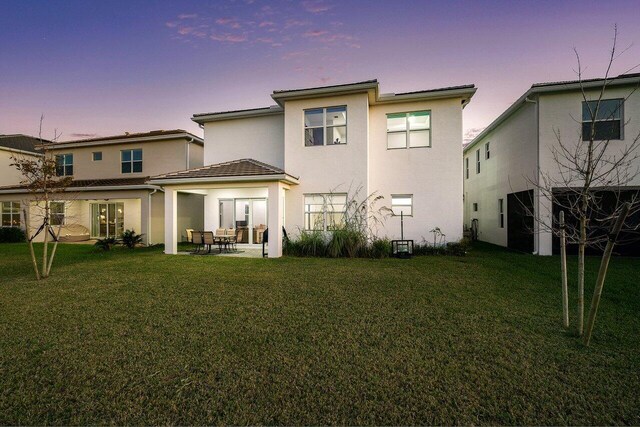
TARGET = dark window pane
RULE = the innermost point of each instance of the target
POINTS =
(126, 167)
(97, 156)
(68, 170)
(137, 166)
(59, 170)
(126, 156)
(137, 154)
(609, 109)
(313, 137)
(605, 130)
(59, 160)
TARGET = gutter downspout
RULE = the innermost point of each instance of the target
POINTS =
(536, 208)
(187, 149)
(149, 215)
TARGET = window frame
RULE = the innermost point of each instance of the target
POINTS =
(478, 161)
(407, 130)
(402, 196)
(501, 213)
(596, 120)
(466, 167)
(487, 150)
(475, 206)
(62, 215)
(132, 161)
(13, 211)
(324, 126)
(326, 213)
(93, 156)
(64, 165)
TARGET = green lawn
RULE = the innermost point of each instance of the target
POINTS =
(143, 338)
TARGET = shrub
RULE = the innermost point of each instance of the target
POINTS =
(106, 244)
(346, 242)
(130, 239)
(312, 243)
(379, 248)
(12, 235)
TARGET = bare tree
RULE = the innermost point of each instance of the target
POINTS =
(590, 180)
(41, 177)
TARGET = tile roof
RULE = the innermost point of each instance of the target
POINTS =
(21, 142)
(125, 136)
(568, 82)
(92, 183)
(239, 168)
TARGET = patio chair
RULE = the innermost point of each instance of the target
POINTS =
(196, 239)
(232, 237)
(208, 240)
(189, 232)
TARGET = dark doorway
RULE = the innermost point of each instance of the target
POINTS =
(520, 221)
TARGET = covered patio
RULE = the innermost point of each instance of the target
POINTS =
(245, 195)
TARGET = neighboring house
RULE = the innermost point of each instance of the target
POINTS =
(14, 147)
(501, 164)
(109, 192)
(292, 165)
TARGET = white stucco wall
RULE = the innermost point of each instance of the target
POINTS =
(9, 175)
(323, 169)
(433, 175)
(512, 164)
(558, 112)
(258, 138)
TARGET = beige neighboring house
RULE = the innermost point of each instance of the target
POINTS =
(11, 147)
(110, 191)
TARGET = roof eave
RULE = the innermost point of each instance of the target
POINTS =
(78, 189)
(367, 87)
(73, 144)
(17, 150)
(215, 117)
(465, 93)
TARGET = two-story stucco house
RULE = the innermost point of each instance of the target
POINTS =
(109, 191)
(292, 164)
(502, 164)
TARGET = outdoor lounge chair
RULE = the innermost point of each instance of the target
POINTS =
(208, 240)
(197, 240)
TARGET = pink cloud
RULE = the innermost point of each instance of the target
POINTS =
(314, 33)
(171, 24)
(225, 21)
(231, 38)
(295, 23)
(315, 6)
(266, 24)
(185, 30)
(188, 16)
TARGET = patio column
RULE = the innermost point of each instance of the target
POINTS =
(145, 214)
(170, 221)
(276, 209)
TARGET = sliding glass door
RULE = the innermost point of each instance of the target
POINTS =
(107, 220)
(247, 216)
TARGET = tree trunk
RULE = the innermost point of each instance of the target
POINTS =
(32, 252)
(563, 262)
(581, 248)
(45, 242)
(602, 274)
(53, 251)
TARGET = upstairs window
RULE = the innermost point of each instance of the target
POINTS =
(402, 204)
(487, 151)
(325, 126)
(64, 164)
(410, 130)
(131, 160)
(606, 124)
(477, 161)
(466, 168)
(475, 207)
(10, 212)
(324, 212)
(501, 212)
(97, 156)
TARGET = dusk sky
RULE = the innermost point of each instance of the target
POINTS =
(103, 68)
